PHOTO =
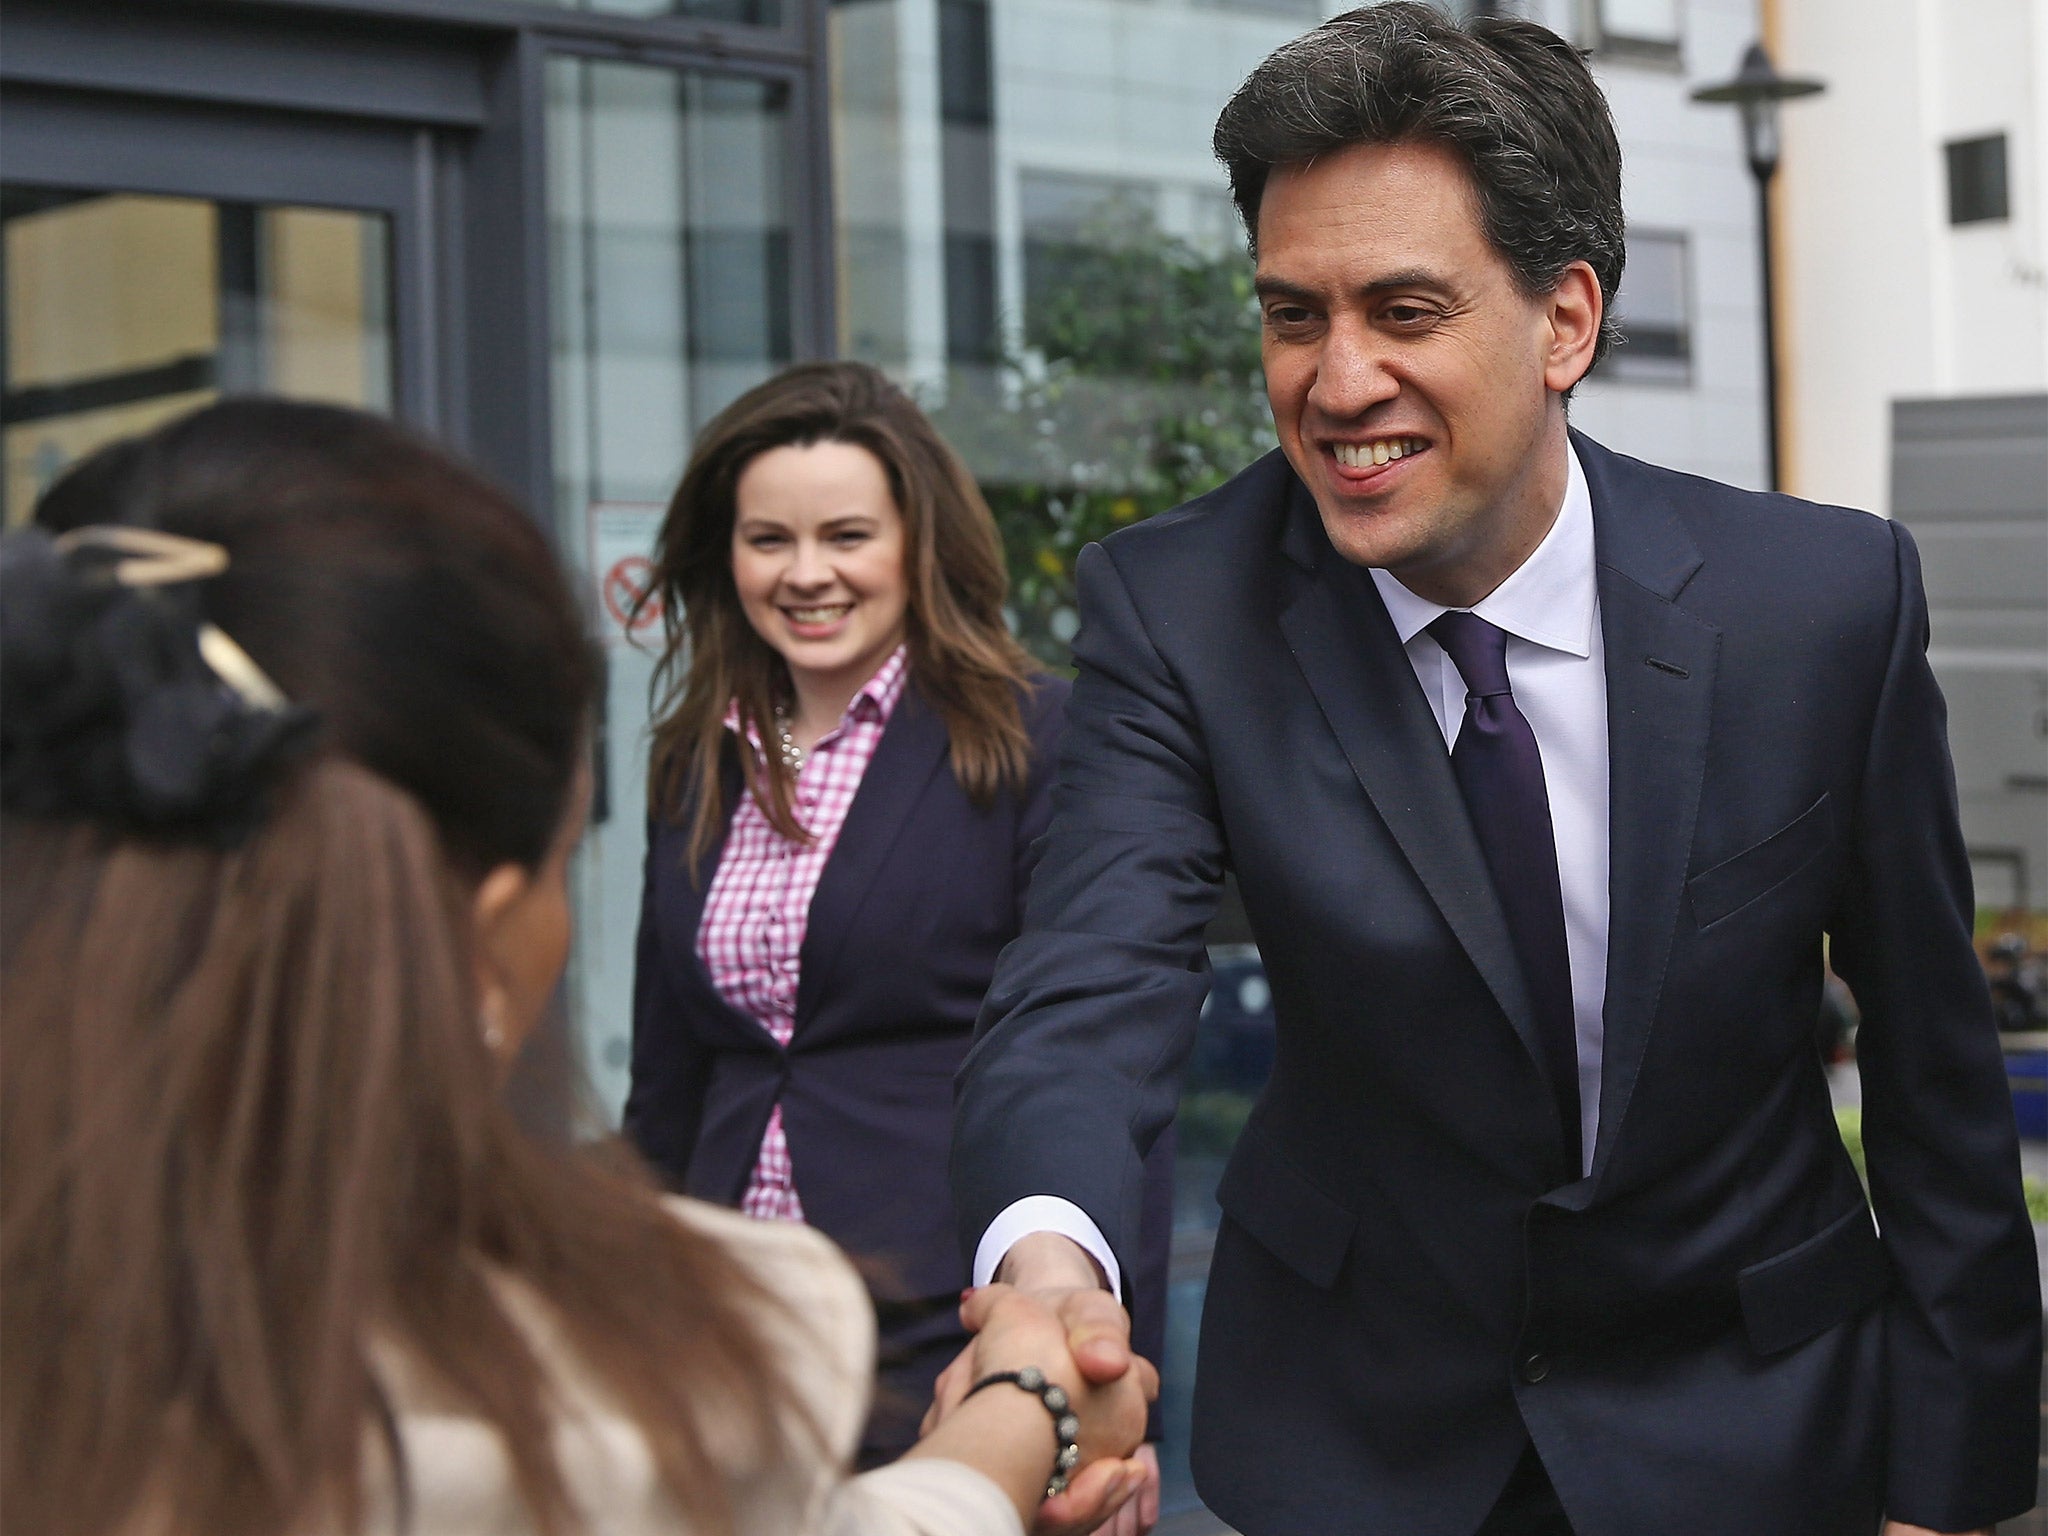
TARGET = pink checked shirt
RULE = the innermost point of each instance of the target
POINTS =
(759, 904)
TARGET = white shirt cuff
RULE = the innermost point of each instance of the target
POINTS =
(1043, 1213)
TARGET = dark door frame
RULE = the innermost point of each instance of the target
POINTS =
(74, 139)
(448, 95)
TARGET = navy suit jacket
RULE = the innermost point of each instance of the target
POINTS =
(920, 894)
(922, 891)
(1708, 1333)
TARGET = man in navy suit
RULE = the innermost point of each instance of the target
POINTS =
(1546, 775)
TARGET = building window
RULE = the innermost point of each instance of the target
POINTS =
(967, 183)
(1976, 180)
(1644, 28)
(1068, 220)
(671, 215)
(1653, 309)
(123, 311)
(1306, 12)
(747, 13)
(966, 86)
(973, 333)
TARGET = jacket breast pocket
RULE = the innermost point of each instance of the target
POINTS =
(1733, 884)
(1286, 1214)
(1809, 1288)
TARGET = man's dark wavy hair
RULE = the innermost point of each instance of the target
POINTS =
(1513, 100)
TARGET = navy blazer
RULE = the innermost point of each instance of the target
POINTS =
(1708, 1333)
(922, 891)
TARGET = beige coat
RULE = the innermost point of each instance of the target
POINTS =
(461, 1483)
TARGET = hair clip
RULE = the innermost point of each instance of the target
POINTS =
(153, 558)
(235, 667)
(149, 557)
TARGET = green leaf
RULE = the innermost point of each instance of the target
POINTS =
(1139, 387)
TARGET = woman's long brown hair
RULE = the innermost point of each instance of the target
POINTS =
(250, 1134)
(963, 659)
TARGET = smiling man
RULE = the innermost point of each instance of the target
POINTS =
(1545, 775)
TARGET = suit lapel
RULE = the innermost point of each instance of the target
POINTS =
(1347, 648)
(683, 911)
(913, 747)
(687, 896)
(1660, 663)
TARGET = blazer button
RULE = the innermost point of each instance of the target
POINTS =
(1535, 1367)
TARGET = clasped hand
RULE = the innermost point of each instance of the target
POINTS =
(1080, 1339)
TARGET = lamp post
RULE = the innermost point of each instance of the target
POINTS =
(1757, 89)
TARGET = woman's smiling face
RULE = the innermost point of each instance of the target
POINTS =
(818, 561)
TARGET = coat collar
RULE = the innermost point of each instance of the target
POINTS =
(914, 747)
(668, 837)
(1661, 662)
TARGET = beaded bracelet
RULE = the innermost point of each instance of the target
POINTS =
(1064, 1423)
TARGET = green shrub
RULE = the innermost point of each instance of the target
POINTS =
(1209, 1122)
(1139, 387)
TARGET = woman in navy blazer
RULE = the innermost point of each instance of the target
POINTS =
(821, 529)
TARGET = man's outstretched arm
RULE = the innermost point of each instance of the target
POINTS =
(1076, 1065)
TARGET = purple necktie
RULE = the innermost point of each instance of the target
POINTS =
(1500, 774)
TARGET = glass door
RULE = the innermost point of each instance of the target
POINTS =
(123, 310)
(160, 252)
(676, 257)
(156, 255)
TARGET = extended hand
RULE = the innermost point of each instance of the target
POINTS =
(1132, 1497)
(1098, 1338)
(1004, 1434)
(1013, 1329)
(1109, 1497)
(1058, 1272)
(1137, 1515)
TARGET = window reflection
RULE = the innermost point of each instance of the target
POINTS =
(1232, 1057)
(1647, 26)
(669, 215)
(123, 311)
(750, 13)
(1653, 310)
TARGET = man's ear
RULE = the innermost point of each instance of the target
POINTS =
(1573, 314)
(491, 910)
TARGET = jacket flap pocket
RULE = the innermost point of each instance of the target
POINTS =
(1808, 1289)
(1734, 883)
(1288, 1216)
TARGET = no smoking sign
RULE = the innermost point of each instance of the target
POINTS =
(623, 584)
(622, 536)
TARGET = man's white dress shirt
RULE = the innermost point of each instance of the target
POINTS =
(1550, 608)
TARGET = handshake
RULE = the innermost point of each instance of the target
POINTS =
(1049, 1310)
